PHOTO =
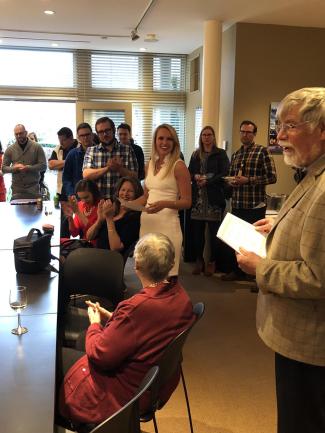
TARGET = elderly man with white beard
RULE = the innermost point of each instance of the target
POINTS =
(291, 279)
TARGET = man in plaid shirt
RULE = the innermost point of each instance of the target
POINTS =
(109, 160)
(251, 167)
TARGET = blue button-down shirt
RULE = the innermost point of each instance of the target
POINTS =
(72, 171)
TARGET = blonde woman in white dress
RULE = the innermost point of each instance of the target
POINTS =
(167, 190)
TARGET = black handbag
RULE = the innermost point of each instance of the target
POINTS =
(32, 252)
(69, 245)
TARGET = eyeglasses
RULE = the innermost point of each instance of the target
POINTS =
(246, 132)
(84, 135)
(289, 127)
(207, 135)
(104, 131)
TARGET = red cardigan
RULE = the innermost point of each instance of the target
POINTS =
(120, 354)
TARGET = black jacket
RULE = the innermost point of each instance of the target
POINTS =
(217, 165)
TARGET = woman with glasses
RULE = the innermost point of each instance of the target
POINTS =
(208, 166)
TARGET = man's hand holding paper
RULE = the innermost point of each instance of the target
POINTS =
(248, 261)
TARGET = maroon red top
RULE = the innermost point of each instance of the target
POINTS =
(121, 353)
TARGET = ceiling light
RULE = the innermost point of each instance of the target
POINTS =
(54, 44)
(142, 49)
(151, 37)
(134, 35)
(49, 12)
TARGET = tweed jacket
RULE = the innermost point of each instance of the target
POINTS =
(291, 302)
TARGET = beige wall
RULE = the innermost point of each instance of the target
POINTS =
(260, 65)
(271, 61)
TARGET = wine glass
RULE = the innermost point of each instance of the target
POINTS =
(18, 301)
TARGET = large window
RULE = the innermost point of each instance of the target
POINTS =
(174, 115)
(90, 116)
(152, 84)
(114, 72)
(36, 68)
(198, 125)
(43, 118)
(168, 74)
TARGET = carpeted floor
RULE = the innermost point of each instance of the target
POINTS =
(228, 370)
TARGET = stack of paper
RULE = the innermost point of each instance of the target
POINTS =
(236, 233)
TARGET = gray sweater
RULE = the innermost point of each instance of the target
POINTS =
(25, 184)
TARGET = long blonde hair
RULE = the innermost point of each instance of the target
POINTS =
(176, 151)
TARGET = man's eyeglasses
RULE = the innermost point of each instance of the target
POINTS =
(246, 132)
(104, 131)
(84, 135)
(289, 127)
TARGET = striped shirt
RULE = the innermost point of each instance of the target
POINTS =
(98, 156)
(256, 163)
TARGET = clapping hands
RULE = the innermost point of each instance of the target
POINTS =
(96, 313)
(106, 209)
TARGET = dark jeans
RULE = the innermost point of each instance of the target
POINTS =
(300, 390)
(198, 228)
(251, 216)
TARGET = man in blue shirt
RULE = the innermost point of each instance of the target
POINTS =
(72, 171)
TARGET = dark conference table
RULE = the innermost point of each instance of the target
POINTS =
(27, 374)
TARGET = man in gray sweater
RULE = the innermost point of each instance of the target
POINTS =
(24, 159)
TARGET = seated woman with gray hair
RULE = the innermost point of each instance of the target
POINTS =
(122, 346)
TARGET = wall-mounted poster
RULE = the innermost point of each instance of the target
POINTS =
(273, 145)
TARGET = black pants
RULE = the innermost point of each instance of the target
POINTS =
(300, 390)
(251, 216)
(198, 228)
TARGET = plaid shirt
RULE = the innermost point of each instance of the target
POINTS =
(256, 163)
(98, 156)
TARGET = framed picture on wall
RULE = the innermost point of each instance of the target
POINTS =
(272, 141)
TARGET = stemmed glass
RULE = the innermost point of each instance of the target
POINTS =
(18, 301)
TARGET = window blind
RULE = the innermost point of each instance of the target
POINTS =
(153, 83)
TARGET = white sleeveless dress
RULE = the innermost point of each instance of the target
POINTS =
(166, 221)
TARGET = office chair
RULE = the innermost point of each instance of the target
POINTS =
(126, 420)
(94, 274)
(170, 361)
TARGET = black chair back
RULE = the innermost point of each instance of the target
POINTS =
(170, 361)
(94, 271)
(126, 420)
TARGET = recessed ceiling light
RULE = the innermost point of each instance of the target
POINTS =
(142, 49)
(54, 44)
(49, 12)
(151, 37)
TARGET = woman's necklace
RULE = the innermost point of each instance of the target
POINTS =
(157, 283)
(88, 211)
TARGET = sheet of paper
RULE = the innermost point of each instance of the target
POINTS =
(236, 233)
(24, 201)
(132, 206)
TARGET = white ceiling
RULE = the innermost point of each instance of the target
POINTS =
(178, 24)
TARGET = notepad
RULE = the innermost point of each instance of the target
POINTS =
(236, 233)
